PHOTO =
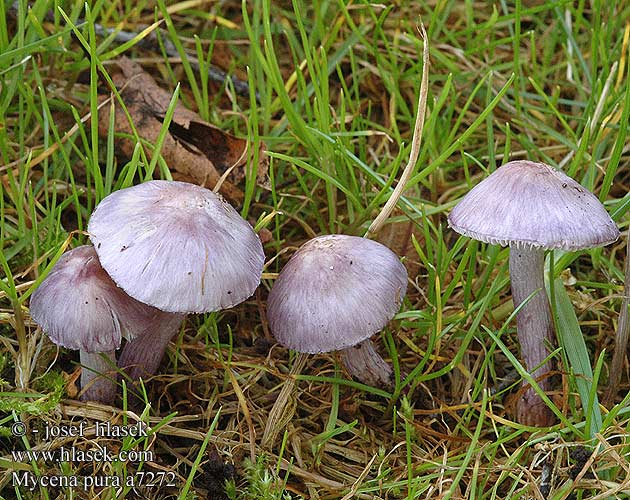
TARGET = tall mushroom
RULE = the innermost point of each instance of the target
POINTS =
(532, 208)
(80, 307)
(336, 292)
(178, 247)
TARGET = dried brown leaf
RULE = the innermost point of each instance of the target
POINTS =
(397, 236)
(194, 150)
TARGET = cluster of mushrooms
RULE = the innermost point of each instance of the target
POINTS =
(164, 249)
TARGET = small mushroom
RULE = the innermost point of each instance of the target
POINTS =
(532, 207)
(336, 292)
(80, 307)
(178, 247)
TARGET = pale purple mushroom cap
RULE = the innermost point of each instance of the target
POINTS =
(80, 307)
(177, 246)
(528, 204)
(335, 292)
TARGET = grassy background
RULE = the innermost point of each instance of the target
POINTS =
(333, 90)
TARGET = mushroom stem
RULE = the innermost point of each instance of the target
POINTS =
(98, 376)
(621, 337)
(535, 331)
(366, 365)
(141, 356)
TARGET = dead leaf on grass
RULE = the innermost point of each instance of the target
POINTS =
(71, 382)
(194, 150)
(397, 237)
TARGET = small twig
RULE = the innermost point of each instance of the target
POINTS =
(353, 490)
(229, 170)
(242, 400)
(415, 142)
(283, 409)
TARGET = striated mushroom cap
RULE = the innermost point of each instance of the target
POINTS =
(530, 204)
(80, 307)
(177, 246)
(335, 292)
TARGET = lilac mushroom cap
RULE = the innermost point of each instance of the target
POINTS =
(528, 204)
(81, 308)
(177, 246)
(335, 292)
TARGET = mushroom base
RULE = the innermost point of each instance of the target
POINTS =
(367, 366)
(98, 376)
(531, 409)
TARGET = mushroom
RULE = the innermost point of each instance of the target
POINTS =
(80, 307)
(336, 292)
(532, 208)
(178, 247)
